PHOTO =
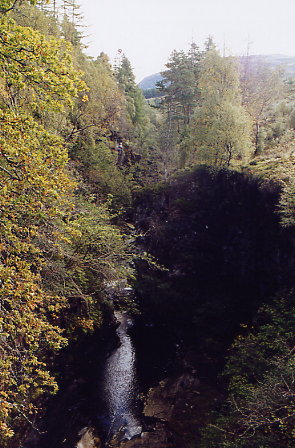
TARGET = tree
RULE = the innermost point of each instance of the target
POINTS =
(8, 5)
(126, 81)
(261, 87)
(180, 85)
(138, 142)
(34, 190)
(221, 127)
(58, 247)
(179, 97)
(36, 75)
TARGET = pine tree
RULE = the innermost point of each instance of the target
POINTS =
(180, 85)
(126, 81)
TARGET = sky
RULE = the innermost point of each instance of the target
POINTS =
(149, 30)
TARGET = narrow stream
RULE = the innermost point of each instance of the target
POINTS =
(100, 398)
(120, 384)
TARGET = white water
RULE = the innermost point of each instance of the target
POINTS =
(87, 440)
(120, 384)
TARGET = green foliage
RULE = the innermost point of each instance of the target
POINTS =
(180, 84)
(139, 139)
(262, 88)
(287, 201)
(134, 96)
(34, 190)
(38, 70)
(179, 95)
(28, 15)
(8, 5)
(221, 128)
(64, 183)
(58, 246)
(28, 332)
(260, 407)
(151, 93)
(91, 254)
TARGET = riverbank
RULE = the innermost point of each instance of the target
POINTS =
(173, 413)
(77, 406)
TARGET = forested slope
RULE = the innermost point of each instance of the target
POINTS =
(63, 115)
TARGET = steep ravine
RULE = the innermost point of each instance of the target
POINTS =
(154, 384)
(77, 412)
(107, 404)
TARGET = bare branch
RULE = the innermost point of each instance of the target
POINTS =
(14, 177)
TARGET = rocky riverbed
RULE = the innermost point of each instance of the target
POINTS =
(88, 439)
(172, 413)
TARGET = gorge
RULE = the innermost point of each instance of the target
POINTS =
(158, 382)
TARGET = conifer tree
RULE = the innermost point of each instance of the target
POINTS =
(180, 85)
(126, 82)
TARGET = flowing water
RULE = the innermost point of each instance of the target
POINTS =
(100, 402)
(120, 385)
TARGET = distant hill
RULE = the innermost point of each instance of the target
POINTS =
(149, 82)
(274, 60)
(277, 60)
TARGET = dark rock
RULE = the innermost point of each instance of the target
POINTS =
(161, 400)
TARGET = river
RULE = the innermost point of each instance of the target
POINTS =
(99, 398)
(120, 384)
(119, 389)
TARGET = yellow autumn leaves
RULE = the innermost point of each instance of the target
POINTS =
(36, 74)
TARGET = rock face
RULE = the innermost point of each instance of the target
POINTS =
(159, 437)
(171, 412)
(88, 439)
(163, 400)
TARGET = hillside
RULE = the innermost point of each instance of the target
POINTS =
(287, 63)
(149, 82)
(274, 60)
